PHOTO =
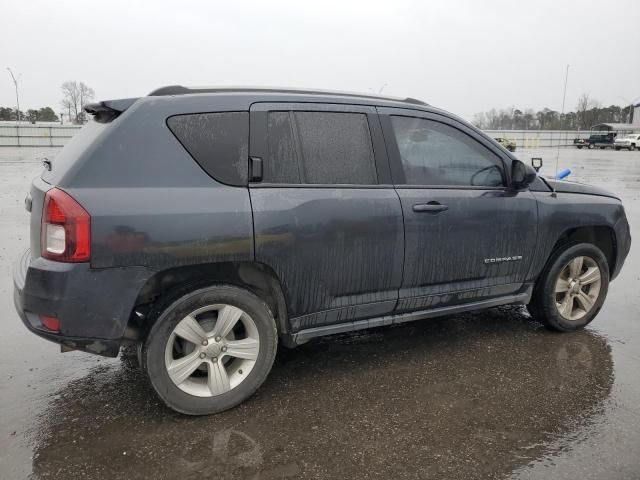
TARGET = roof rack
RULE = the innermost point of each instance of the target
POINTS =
(181, 90)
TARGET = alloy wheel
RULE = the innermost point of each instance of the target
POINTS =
(212, 350)
(577, 288)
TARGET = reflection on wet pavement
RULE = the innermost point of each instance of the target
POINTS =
(473, 396)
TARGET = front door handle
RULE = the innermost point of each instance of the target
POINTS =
(431, 207)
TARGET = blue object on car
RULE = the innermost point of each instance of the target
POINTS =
(562, 174)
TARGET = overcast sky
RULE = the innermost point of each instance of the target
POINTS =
(463, 56)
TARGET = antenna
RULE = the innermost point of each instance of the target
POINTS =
(15, 82)
(564, 97)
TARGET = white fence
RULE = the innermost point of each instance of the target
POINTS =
(27, 135)
(540, 138)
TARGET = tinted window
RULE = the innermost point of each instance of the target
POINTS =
(217, 141)
(433, 153)
(319, 148)
(281, 165)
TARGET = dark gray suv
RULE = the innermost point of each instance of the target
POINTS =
(209, 225)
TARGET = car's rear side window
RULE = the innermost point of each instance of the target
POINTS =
(319, 148)
(219, 142)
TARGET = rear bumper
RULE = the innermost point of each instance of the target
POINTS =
(93, 305)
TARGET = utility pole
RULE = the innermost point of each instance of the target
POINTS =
(15, 82)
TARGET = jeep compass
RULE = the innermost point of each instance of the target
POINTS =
(209, 226)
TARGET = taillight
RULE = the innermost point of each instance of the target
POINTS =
(66, 228)
(50, 323)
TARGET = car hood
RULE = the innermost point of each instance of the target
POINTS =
(582, 188)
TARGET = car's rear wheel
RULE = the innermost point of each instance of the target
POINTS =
(618, 148)
(572, 288)
(591, 146)
(210, 349)
(632, 147)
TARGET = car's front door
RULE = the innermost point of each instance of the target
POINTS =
(327, 219)
(468, 236)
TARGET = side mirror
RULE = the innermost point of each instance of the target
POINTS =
(522, 175)
(536, 163)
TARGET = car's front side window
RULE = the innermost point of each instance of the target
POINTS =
(433, 153)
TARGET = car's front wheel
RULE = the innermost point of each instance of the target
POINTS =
(572, 288)
(632, 147)
(210, 349)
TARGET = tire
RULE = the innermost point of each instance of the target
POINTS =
(591, 146)
(544, 306)
(579, 147)
(632, 147)
(617, 148)
(214, 381)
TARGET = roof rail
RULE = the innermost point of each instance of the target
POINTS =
(181, 90)
(414, 100)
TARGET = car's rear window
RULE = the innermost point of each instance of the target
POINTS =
(219, 142)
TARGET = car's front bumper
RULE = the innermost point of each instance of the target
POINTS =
(92, 305)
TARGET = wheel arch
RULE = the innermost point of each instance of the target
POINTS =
(256, 277)
(602, 236)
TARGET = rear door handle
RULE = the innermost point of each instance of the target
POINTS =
(431, 207)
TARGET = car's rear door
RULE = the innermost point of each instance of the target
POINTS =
(468, 236)
(327, 219)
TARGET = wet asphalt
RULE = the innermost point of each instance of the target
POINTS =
(481, 395)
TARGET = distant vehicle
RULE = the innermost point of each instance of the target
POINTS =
(604, 140)
(506, 143)
(580, 142)
(630, 142)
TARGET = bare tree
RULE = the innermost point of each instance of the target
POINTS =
(70, 99)
(86, 94)
(492, 119)
(585, 104)
(596, 112)
(75, 95)
(529, 119)
(479, 120)
(589, 112)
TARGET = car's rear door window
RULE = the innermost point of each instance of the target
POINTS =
(319, 148)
